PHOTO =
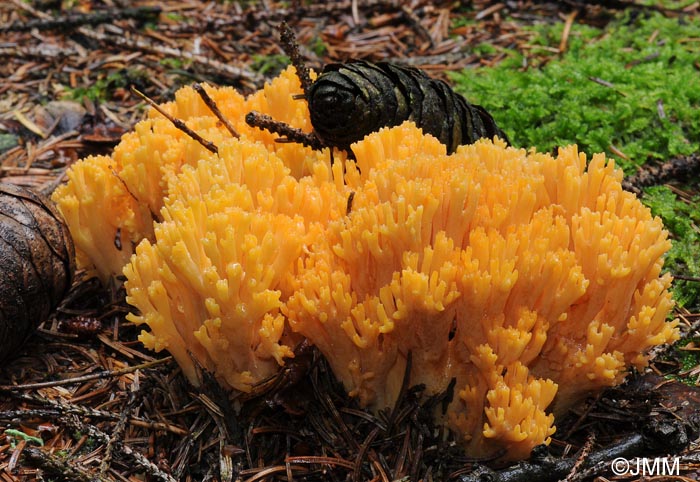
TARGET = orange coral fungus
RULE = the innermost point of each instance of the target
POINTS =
(118, 197)
(529, 279)
(104, 219)
(213, 283)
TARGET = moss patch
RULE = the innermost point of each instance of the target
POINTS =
(631, 91)
(627, 90)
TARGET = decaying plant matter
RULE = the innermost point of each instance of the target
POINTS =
(37, 260)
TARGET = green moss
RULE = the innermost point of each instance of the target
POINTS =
(688, 359)
(682, 220)
(175, 17)
(173, 63)
(632, 88)
(672, 4)
(269, 65)
(318, 46)
(102, 88)
(606, 93)
(484, 49)
(8, 141)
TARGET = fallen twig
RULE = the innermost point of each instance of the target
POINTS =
(215, 109)
(67, 22)
(142, 462)
(649, 175)
(58, 467)
(85, 378)
(657, 437)
(118, 432)
(210, 146)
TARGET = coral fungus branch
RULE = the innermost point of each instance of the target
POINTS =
(508, 284)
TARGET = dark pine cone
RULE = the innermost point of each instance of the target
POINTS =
(349, 101)
(37, 260)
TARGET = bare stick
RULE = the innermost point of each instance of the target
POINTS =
(291, 48)
(140, 460)
(68, 22)
(177, 122)
(118, 432)
(55, 465)
(582, 457)
(85, 378)
(213, 107)
(686, 278)
(292, 134)
(650, 174)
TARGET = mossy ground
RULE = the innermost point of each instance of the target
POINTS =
(630, 90)
(626, 90)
